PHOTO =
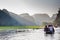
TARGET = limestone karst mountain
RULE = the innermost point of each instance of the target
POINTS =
(11, 19)
(53, 17)
(6, 19)
(21, 19)
(40, 18)
(57, 20)
(28, 17)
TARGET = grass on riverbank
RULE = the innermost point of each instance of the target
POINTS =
(21, 27)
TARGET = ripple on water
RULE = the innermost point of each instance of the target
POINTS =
(33, 35)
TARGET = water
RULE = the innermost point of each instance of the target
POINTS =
(36, 34)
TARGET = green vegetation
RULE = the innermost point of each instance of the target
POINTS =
(20, 27)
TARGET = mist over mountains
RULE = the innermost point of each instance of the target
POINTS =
(40, 18)
(10, 19)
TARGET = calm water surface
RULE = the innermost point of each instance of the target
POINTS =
(36, 34)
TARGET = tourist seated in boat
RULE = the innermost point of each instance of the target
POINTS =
(46, 29)
(49, 29)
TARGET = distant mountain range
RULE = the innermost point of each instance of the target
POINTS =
(40, 18)
(28, 17)
(10, 19)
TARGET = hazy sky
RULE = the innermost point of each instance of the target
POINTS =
(31, 6)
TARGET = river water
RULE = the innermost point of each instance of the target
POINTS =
(29, 34)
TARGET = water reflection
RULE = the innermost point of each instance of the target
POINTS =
(30, 35)
(55, 36)
(49, 35)
(4, 35)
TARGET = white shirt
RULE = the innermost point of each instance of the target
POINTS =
(51, 28)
